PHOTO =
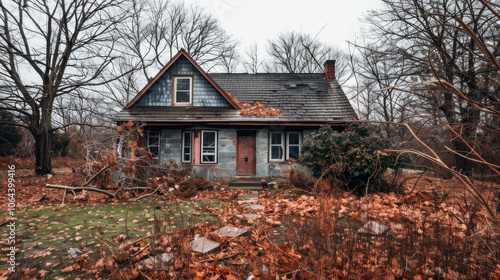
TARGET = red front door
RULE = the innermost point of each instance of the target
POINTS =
(245, 153)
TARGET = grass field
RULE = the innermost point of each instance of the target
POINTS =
(45, 234)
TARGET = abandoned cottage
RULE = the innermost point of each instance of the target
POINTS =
(234, 124)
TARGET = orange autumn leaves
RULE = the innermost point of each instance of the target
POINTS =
(257, 109)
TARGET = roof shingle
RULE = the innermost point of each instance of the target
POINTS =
(300, 97)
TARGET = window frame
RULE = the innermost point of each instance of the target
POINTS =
(282, 145)
(288, 143)
(183, 153)
(216, 144)
(157, 145)
(174, 90)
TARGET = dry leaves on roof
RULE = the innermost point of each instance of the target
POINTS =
(258, 109)
(233, 98)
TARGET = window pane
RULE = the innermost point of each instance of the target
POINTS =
(276, 152)
(294, 152)
(154, 151)
(209, 150)
(186, 143)
(187, 139)
(182, 97)
(293, 138)
(275, 138)
(152, 141)
(153, 138)
(208, 139)
(183, 84)
(208, 146)
(208, 158)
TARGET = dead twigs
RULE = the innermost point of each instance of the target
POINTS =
(78, 189)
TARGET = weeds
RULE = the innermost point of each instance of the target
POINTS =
(418, 243)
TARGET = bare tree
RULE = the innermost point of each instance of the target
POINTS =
(253, 64)
(376, 68)
(156, 31)
(293, 52)
(83, 114)
(50, 50)
(230, 60)
(204, 39)
(425, 35)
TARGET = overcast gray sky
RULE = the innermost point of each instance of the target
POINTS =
(256, 21)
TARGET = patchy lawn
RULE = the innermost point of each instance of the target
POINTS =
(433, 230)
(46, 233)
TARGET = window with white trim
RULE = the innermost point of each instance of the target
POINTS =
(208, 146)
(293, 145)
(183, 90)
(276, 147)
(186, 146)
(154, 143)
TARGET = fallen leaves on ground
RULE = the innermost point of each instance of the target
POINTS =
(435, 231)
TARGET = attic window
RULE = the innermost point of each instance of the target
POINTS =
(183, 90)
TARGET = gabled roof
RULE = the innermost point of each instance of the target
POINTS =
(302, 98)
(182, 52)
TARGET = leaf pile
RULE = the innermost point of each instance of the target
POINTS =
(258, 109)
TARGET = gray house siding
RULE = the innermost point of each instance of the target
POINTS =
(227, 152)
(305, 101)
(160, 93)
(171, 148)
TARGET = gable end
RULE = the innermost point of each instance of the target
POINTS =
(205, 92)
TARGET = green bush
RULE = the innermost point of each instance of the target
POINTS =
(354, 157)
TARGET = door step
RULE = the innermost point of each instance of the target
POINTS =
(247, 183)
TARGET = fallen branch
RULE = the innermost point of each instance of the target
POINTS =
(149, 194)
(78, 189)
(293, 259)
(222, 258)
(95, 175)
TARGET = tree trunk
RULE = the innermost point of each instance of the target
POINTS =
(43, 162)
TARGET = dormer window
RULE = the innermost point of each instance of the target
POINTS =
(183, 91)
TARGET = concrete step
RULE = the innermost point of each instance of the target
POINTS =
(251, 188)
(247, 183)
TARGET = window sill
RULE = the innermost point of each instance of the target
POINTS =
(288, 161)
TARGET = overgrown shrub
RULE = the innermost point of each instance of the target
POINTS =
(356, 156)
(300, 179)
(60, 143)
(10, 135)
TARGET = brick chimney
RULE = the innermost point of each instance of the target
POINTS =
(330, 69)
